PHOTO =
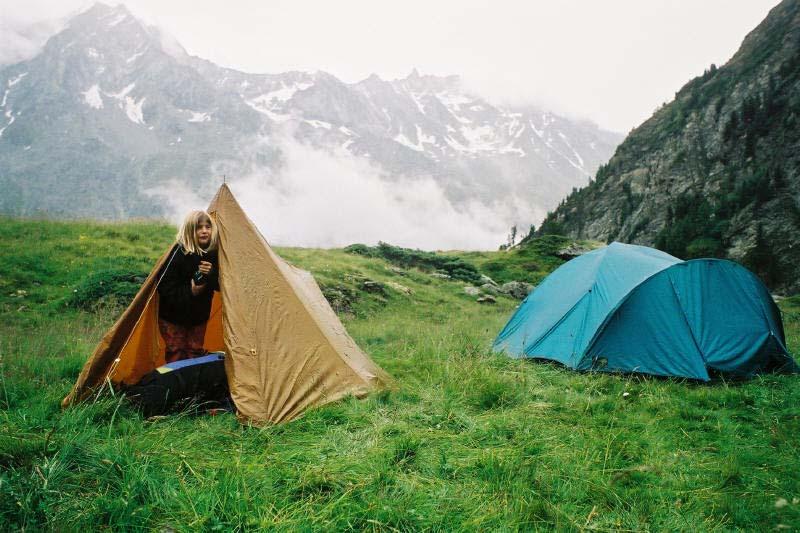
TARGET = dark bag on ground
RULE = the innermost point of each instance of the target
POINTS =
(200, 381)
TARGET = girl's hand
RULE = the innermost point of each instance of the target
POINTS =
(197, 289)
(205, 267)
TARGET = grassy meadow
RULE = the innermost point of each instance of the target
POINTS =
(469, 441)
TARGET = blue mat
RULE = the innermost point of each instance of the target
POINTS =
(210, 358)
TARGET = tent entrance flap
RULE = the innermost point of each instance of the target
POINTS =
(144, 351)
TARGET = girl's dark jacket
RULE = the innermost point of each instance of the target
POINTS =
(176, 302)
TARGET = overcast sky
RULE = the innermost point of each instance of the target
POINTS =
(611, 61)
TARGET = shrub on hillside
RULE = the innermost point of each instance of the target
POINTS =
(704, 247)
(454, 267)
(117, 286)
(360, 249)
(546, 244)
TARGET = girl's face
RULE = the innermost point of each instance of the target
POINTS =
(203, 233)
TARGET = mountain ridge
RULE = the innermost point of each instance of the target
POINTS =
(111, 110)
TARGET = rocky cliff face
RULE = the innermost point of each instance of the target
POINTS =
(716, 172)
(112, 107)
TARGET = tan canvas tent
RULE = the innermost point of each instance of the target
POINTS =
(286, 350)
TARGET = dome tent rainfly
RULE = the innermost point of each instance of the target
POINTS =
(628, 308)
(286, 350)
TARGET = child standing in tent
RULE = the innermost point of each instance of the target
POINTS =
(187, 287)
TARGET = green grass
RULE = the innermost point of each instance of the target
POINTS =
(469, 440)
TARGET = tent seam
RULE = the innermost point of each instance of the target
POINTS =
(619, 304)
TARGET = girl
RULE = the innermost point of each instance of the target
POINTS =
(187, 287)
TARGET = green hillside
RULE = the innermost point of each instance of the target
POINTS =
(469, 440)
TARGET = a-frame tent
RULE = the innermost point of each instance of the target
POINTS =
(286, 350)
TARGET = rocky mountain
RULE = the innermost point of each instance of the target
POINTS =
(716, 172)
(112, 107)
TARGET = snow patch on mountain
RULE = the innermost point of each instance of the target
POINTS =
(319, 124)
(199, 117)
(135, 56)
(16, 79)
(416, 99)
(481, 138)
(117, 19)
(133, 109)
(263, 106)
(405, 141)
(574, 151)
(423, 137)
(92, 98)
(454, 144)
(511, 149)
(10, 116)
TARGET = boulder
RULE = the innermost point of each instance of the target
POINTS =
(365, 284)
(572, 251)
(440, 275)
(517, 289)
(472, 291)
(374, 287)
(486, 280)
(399, 288)
(491, 289)
(396, 270)
(486, 299)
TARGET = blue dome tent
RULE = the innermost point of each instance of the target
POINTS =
(627, 308)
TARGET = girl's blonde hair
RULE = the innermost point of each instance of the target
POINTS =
(187, 234)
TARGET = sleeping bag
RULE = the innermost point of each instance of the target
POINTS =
(198, 381)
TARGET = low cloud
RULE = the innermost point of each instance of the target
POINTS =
(20, 44)
(330, 198)
(23, 32)
(178, 198)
